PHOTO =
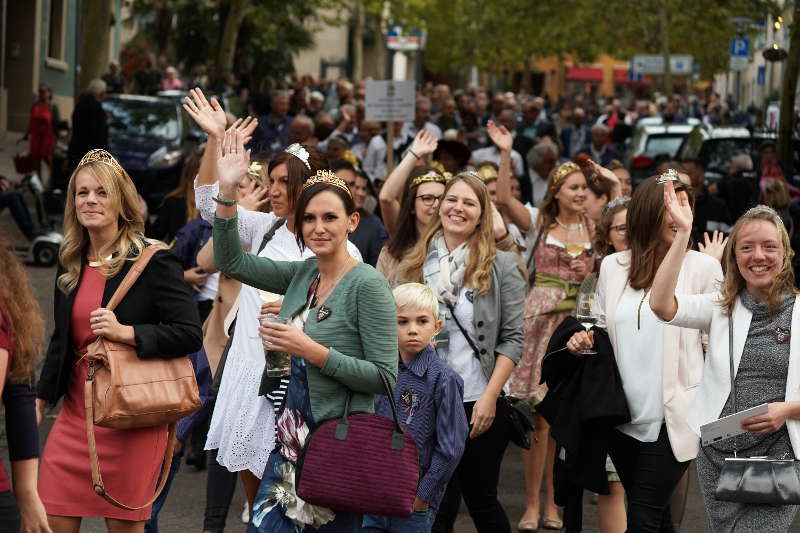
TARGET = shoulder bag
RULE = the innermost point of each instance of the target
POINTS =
(519, 413)
(755, 480)
(123, 391)
(363, 463)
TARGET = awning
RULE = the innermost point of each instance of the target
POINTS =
(590, 74)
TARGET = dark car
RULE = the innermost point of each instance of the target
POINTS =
(714, 146)
(151, 138)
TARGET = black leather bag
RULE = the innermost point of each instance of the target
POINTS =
(756, 480)
(519, 413)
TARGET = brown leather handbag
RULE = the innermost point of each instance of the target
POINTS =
(123, 391)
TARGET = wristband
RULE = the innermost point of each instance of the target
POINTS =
(412, 152)
(228, 203)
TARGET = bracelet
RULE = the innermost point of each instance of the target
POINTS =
(412, 152)
(228, 203)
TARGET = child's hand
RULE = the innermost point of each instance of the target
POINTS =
(420, 505)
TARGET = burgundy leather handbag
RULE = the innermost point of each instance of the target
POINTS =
(363, 463)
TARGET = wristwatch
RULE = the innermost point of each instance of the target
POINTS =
(229, 203)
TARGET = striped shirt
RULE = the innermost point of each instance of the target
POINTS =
(430, 402)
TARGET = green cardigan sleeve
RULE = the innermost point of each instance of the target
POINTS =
(260, 272)
(377, 328)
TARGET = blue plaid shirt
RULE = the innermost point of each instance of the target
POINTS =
(430, 402)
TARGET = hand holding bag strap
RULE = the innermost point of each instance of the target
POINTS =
(133, 274)
(97, 478)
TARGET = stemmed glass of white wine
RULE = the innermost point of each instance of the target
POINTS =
(573, 245)
(585, 308)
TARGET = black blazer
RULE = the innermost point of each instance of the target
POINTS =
(159, 306)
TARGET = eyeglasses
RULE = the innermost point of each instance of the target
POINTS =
(429, 199)
(622, 228)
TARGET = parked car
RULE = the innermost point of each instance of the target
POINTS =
(714, 146)
(151, 137)
(651, 144)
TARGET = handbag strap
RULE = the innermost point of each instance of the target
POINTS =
(733, 378)
(471, 343)
(97, 478)
(343, 426)
(271, 233)
(133, 274)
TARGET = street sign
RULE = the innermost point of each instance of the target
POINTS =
(740, 47)
(654, 64)
(739, 63)
(762, 75)
(632, 74)
(390, 100)
(397, 40)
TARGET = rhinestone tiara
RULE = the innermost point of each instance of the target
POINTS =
(300, 153)
(326, 176)
(98, 155)
(668, 175)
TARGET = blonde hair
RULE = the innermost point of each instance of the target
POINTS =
(733, 282)
(416, 296)
(482, 250)
(129, 240)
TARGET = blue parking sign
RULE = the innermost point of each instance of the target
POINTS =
(740, 47)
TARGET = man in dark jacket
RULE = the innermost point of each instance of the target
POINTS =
(89, 129)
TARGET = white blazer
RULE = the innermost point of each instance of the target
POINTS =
(683, 348)
(702, 311)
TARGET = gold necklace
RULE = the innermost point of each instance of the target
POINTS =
(639, 311)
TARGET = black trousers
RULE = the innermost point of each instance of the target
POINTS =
(220, 486)
(649, 472)
(476, 478)
(9, 513)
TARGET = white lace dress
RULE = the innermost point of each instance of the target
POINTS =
(243, 423)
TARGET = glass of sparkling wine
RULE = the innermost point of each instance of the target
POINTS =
(584, 313)
(574, 249)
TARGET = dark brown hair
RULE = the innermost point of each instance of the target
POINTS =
(297, 171)
(305, 197)
(644, 220)
(602, 244)
(601, 186)
(19, 306)
(406, 234)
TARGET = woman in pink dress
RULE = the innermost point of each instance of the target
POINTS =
(103, 235)
(41, 128)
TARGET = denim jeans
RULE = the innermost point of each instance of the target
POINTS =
(151, 526)
(418, 522)
(15, 203)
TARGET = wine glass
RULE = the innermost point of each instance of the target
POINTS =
(573, 245)
(584, 310)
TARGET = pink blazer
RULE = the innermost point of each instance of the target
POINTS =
(683, 347)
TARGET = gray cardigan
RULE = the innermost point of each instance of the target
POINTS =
(497, 315)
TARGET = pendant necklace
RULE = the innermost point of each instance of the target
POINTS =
(324, 311)
(572, 227)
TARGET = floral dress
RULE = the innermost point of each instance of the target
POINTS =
(549, 302)
(277, 508)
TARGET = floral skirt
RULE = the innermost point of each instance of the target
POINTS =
(277, 508)
(537, 327)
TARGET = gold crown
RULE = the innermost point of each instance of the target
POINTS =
(351, 158)
(300, 153)
(430, 176)
(486, 173)
(326, 176)
(98, 155)
(564, 170)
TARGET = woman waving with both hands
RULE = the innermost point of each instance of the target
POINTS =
(342, 329)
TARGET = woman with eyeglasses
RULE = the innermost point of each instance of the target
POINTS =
(560, 254)
(409, 201)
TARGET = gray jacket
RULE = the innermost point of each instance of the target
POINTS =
(498, 313)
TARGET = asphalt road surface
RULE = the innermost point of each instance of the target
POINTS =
(183, 511)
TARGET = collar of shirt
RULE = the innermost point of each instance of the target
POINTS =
(420, 364)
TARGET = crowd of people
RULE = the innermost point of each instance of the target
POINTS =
(455, 276)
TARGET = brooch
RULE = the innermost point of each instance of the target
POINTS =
(410, 401)
(323, 313)
(781, 335)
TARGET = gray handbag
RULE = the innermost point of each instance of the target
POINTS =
(756, 480)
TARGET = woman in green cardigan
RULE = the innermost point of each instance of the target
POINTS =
(343, 327)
